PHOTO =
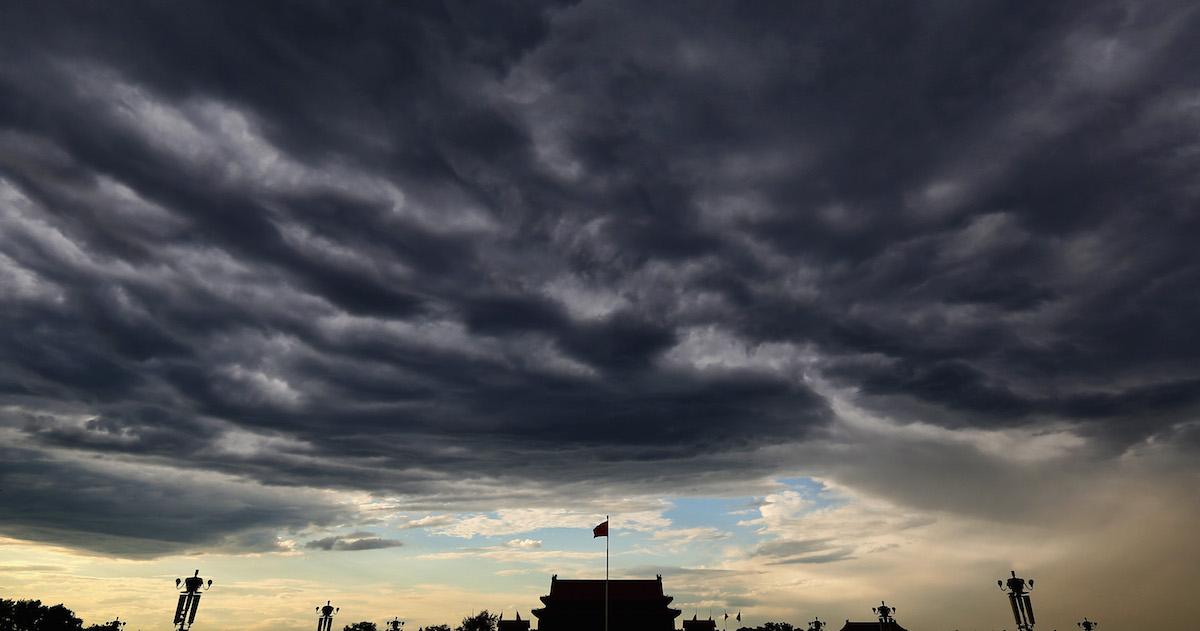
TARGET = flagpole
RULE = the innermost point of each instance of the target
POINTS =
(607, 536)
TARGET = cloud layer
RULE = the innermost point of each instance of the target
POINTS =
(515, 257)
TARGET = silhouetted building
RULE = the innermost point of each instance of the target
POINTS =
(873, 626)
(885, 622)
(512, 625)
(633, 605)
(699, 625)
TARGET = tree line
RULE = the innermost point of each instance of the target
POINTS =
(770, 626)
(482, 621)
(32, 615)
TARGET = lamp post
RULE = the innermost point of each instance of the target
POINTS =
(189, 600)
(1087, 625)
(884, 612)
(325, 616)
(395, 624)
(1018, 590)
(116, 624)
(816, 624)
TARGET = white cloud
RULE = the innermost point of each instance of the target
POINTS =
(522, 520)
(688, 536)
(428, 521)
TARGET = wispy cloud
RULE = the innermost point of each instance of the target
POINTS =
(352, 542)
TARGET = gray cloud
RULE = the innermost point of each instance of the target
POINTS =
(790, 552)
(669, 570)
(146, 511)
(791, 547)
(452, 257)
(352, 542)
(837, 554)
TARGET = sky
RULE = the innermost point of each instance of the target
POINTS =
(824, 303)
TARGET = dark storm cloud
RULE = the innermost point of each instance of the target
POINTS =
(404, 248)
(125, 511)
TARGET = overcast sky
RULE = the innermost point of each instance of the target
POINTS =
(389, 303)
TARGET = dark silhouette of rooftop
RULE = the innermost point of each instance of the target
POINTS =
(633, 605)
(512, 625)
(699, 625)
(885, 622)
(873, 626)
(632, 590)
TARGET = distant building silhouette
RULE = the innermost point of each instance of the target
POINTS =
(699, 625)
(885, 622)
(512, 625)
(633, 605)
(873, 626)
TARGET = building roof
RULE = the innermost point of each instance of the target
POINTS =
(518, 624)
(872, 626)
(566, 590)
(695, 623)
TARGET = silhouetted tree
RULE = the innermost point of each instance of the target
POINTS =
(361, 626)
(482, 621)
(32, 615)
(770, 626)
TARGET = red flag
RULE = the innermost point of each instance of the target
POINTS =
(601, 530)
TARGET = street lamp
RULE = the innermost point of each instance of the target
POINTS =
(1018, 590)
(395, 624)
(1087, 625)
(325, 619)
(884, 612)
(816, 624)
(189, 600)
